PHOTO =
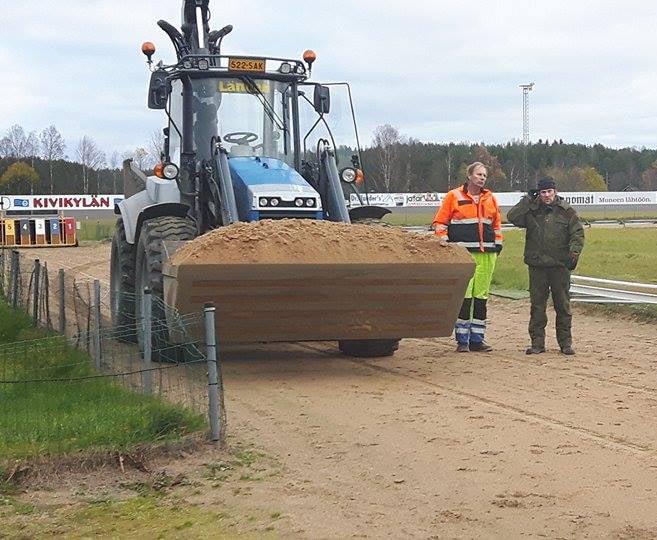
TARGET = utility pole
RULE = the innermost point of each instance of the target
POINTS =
(526, 88)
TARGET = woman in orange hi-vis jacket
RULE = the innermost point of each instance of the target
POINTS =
(469, 216)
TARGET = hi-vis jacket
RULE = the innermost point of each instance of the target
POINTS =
(475, 226)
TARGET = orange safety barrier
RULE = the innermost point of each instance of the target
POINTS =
(38, 231)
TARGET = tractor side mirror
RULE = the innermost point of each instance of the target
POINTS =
(157, 90)
(322, 99)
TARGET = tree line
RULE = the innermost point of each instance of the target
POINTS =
(37, 163)
(394, 163)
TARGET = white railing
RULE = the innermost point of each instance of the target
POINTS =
(608, 291)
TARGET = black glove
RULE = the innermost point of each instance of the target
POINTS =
(573, 258)
(499, 248)
(533, 193)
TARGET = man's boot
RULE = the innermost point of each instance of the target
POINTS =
(568, 350)
(535, 349)
(480, 347)
(462, 347)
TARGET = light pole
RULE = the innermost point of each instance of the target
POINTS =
(526, 88)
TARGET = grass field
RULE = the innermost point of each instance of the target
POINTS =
(622, 254)
(96, 229)
(45, 411)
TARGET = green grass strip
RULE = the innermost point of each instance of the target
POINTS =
(55, 403)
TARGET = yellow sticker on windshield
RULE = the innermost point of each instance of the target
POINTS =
(232, 86)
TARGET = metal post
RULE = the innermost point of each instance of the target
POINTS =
(2, 270)
(46, 297)
(96, 318)
(213, 374)
(62, 299)
(35, 300)
(147, 310)
(15, 270)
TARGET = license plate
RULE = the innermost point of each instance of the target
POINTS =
(246, 64)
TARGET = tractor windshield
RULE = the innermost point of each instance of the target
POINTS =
(251, 116)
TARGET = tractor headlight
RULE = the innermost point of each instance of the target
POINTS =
(263, 201)
(310, 202)
(285, 68)
(348, 175)
(203, 64)
(274, 201)
(170, 171)
(298, 202)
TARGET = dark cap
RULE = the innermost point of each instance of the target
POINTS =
(547, 182)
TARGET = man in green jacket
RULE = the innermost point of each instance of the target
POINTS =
(553, 244)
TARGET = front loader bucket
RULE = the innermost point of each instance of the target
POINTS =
(302, 280)
(297, 302)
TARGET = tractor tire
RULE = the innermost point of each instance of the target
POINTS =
(369, 348)
(149, 259)
(122, 285)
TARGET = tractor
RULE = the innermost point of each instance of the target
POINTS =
(235, 149)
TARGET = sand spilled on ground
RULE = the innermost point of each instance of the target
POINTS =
(311, 241)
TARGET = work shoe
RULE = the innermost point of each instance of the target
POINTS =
(567, 350)
(480, 347)
(535, 350)
(462, 347)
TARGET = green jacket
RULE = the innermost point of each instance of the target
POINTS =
(553, 231)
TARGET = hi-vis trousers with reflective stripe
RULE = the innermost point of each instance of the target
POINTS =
(471, 323)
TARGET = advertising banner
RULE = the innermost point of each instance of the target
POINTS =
(59, 202)
(424, 199)
(387, 200)
(507, 199)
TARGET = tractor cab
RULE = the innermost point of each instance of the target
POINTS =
(269, 122)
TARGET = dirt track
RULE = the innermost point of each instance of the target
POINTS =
(430, 443)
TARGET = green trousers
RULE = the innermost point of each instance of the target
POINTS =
(542, 282)
(471, 322)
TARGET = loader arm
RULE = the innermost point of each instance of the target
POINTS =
(335, 201)
(190, 11)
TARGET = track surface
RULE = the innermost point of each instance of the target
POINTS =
(429, 443)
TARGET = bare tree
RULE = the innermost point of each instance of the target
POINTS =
(140, 157)
(156, 146)
(113, 163)
(387, 140)
(17, 144)
(90, 158)
(52, 148)
(102, 162)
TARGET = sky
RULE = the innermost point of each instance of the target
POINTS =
(439, 71)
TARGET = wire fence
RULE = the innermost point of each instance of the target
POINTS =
(97, 365)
